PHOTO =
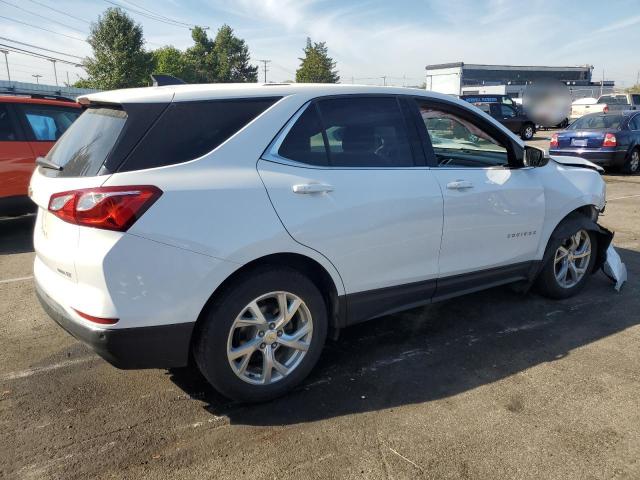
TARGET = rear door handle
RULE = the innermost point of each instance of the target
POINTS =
(459, 185)
(308, 188)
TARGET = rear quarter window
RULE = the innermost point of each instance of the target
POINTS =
(188, 130)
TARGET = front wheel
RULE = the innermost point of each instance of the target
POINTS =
(567, 270)
(263, 335)
(528, 131)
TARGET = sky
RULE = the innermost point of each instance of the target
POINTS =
(368, 39)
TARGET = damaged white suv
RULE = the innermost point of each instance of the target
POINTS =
(238, 225)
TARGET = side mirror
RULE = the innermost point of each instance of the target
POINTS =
(535, 157)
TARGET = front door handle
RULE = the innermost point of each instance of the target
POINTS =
(308, 188)
(459, 185)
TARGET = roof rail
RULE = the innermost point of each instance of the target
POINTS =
(160, 79)
(43, 96)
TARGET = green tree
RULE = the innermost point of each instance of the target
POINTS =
(232, 58)
(316, 66)
(199, 58)
(223, 59)
(119, 59)
(171, 61)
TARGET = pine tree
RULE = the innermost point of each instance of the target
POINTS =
(316, 66)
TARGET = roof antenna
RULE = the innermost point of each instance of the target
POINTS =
(160, 80)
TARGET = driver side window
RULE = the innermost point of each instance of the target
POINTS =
(458, 143)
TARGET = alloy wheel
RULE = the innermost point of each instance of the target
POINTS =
(571, 259)
(269, 338)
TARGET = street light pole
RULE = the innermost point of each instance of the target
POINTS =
(6, 62)
(37, 77)
(55, 73)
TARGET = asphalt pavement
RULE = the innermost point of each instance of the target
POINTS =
(494, 385)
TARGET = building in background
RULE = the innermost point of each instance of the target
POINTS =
(7, 87)
(458, 78)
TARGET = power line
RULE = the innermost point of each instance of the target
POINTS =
(40, 48)
(157, 14)
(60, 11)
(11, 48)
(44, 29)
(42, 16)
(171, 22)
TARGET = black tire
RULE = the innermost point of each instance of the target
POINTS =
(528, 131)
(210, 346)
(548, 285)
(632, 163)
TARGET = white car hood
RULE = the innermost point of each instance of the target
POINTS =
(576, 162)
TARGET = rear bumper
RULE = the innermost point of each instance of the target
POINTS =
(606, 158)
(163, 346)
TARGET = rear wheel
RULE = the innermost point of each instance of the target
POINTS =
(528, 131)
(263, 335)
(567, 270)
(632, 164)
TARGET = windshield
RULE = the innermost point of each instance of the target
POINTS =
(83, 148)
(597, 122)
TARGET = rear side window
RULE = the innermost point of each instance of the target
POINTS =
(85, 146)
(7, 130)
(188, 130)
(304, 142)
(48, 122)
(350, 132)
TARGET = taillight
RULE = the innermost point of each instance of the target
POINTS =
(110, 208)
(609, 140)
(554, 140)
(605, 109)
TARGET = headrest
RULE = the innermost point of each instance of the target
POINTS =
(358, 138)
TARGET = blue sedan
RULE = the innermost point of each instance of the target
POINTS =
(611, 140)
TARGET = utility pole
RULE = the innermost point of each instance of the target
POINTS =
(6, 62)
(68, 82)
(265, 69)
(37, 77)
(602, 82)
(55, 73)
(384, 80)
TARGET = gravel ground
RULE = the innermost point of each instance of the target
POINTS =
(493, 385)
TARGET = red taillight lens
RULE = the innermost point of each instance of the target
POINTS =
(554, 140)
(100, 320)
(605, 109)
(609, 140)
(110, 208)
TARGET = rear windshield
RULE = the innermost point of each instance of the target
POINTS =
(83, 148)
(597, 122)
(614, 99)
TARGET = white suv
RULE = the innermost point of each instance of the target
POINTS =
(239, 225)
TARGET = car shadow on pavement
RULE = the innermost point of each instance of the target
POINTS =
(439, 351)
(16, 234)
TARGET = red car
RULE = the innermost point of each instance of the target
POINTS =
(29, 126)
